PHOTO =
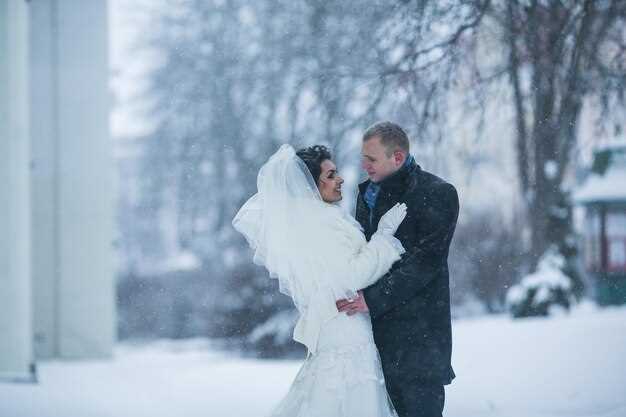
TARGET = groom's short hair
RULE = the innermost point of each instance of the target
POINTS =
(391, 135)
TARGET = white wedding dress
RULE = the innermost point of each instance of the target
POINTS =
(319, 255)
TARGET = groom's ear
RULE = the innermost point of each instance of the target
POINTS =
(399, 157)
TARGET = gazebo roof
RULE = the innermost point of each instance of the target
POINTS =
(609, 186)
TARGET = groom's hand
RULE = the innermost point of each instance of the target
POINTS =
(358, 305)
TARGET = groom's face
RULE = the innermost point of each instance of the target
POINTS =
(376, 161)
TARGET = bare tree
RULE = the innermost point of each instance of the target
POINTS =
(237, 78)
(555, 54)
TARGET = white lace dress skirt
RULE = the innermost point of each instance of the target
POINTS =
(343, 379)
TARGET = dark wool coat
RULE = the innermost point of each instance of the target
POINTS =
(410, 305)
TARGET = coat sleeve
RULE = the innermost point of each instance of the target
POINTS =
(372, 261)
(422, 262)
(344, 276)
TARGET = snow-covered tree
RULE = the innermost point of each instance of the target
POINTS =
(540, 293)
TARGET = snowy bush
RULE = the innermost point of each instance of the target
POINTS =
(543, 291)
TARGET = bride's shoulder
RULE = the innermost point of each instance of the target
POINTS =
(347, 226)
(352, 222)
(334, 220)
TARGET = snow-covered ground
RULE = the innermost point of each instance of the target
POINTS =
(569, 366)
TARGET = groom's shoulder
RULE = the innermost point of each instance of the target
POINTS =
(431, 190)
(429, 181)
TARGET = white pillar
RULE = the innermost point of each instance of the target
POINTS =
(15, 291)
(72, 196)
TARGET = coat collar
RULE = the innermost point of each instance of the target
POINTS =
(397, 181)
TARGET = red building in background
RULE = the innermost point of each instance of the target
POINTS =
(603, 195)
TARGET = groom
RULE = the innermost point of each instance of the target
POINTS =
(410, 305)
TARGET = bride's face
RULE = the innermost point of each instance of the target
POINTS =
(329, 182)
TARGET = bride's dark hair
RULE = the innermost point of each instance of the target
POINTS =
(313, 156)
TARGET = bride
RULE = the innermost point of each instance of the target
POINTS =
(318, 254)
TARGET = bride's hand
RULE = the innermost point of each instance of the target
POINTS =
(351, 307)
(391, 220)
